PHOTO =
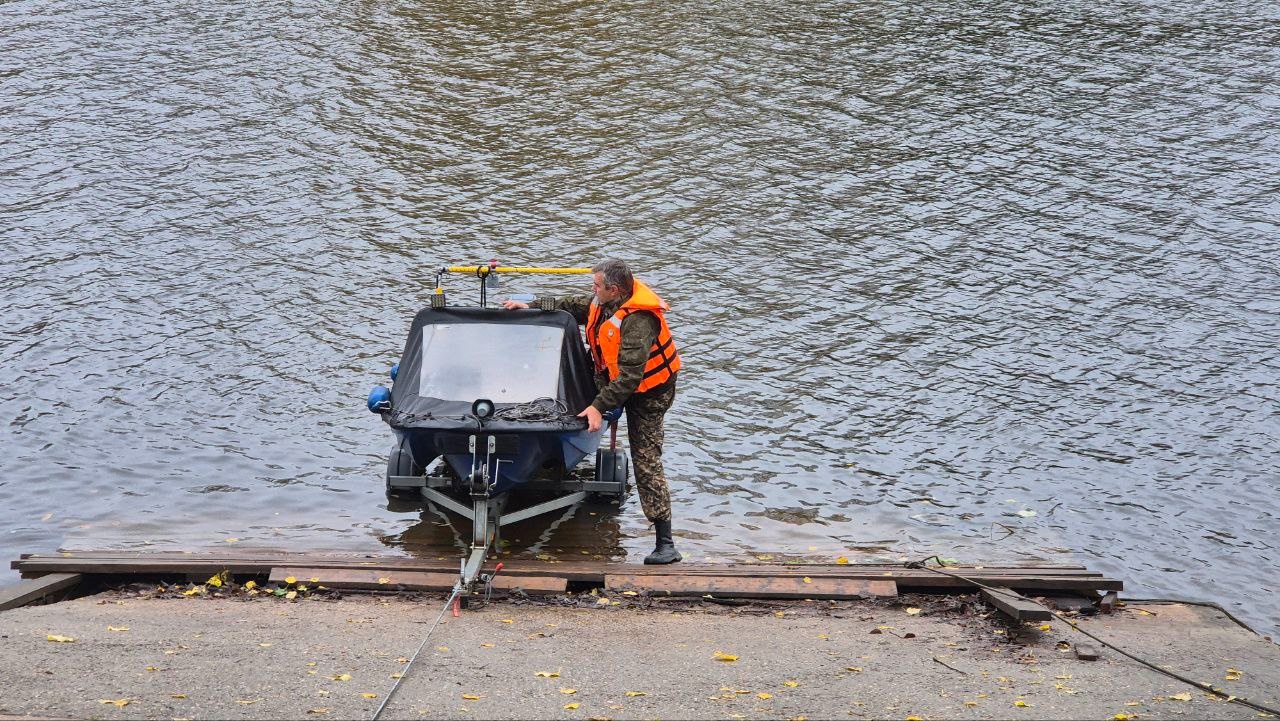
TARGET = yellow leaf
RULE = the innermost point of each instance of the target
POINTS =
(153, 668)
(913, 612)
(764, 696)
(442, 649)
(290, 580)
(117, 628)
(193, 591)
(402, 660)
(470, 697)
(384, 580)
(602, 601)
(311, 663)
(1045, 627)
(637, 693)
(970, 703)
(232, 540)
(118, 703)
(250, 585)
(1122, 717)
(486, 645)
(59, 639)
(572, 706)
(1181, 697)
(368, 695)
(842, 561)
(314, 579)
(725, 657)
(1234, 674)
(914, 718)
(568, 691)
(507, 620)
(302, 586)
(630, 593)
(791, 684)
(177, 695)
(808, 580)
(548, 674)
(341, 677)
(318, 711)
(780, 614)
(215, 581)
(247, 702)
(1021, 704)
(855, 669)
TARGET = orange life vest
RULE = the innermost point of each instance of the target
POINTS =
(604, 336)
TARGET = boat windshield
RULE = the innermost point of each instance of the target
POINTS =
(503, 362)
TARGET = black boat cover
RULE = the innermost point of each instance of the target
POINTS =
(532, 364)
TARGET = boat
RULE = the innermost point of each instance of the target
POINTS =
(483, 408)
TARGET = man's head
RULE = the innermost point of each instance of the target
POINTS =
(611, 280)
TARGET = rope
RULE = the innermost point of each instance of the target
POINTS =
(457, 588)
(536, 410)
(1202, 686)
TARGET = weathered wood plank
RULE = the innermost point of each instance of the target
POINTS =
(35, 589)
(369, 579)
(1015, 606)
(748, 587)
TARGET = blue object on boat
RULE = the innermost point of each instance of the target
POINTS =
(394, 370)
(379, 399)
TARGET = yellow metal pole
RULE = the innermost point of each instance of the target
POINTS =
(511, 269)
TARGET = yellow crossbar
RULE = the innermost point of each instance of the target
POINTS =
(510, 269)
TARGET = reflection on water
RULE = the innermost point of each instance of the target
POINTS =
(997, 283)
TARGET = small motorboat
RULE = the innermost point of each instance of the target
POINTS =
(483, 406)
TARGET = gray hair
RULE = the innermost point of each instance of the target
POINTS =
(615, 272)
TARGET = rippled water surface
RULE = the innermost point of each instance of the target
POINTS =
(996, 283)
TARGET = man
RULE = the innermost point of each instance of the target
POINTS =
(636, 365)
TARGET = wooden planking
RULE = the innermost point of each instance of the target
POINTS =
(1025, 577)
(1016, 606)
(35, 589)
(750, 587)
(369, 579)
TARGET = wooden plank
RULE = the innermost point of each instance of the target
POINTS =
(371, 579)
(1016, 606)
(744, 587)
(1025, 577)
(35, 589)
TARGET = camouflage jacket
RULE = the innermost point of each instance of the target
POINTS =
(639, 332)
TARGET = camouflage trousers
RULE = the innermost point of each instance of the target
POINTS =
(644, 434)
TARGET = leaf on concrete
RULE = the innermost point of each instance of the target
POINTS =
(572, 706)
(1181, 697)
(764, 696)
(1234, 674)
(117, 628)
(118, 703)
(637, 693)
(791, 684)
(470, 697)
(341, 677)
(568, 691)
(913, 612)
(726, 657)
(368, 695)
(547, 674)
(59, 639)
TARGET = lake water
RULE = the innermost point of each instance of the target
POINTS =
(996, 283)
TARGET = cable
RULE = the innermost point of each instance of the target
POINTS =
(457, 588)
(1148, 664)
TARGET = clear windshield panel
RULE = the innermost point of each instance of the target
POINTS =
(502, 362)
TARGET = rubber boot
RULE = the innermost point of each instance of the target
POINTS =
(665, 550)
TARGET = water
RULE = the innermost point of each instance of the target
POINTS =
(998, 283)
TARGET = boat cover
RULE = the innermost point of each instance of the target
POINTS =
(532, 364)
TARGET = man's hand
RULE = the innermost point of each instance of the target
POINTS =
(514, 304)
(594, 419)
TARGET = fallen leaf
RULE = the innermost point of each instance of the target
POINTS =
(486, 645)
(59, 639)
(118, 703)
(402, 660)
(384, 580)
(791, 684)
(1045, 627)
(1021, 704)
(265, 645)
(725, 657)
(548, 674)
(913, 612)
(314, 579)
(290, 580)
(1181, 697)
(572, 706)
(470, 697)
(808, 580)
(247, 702)
(396, 675)
(311, 663)
(177, 695)
(780, 614)
(442, 649)
(568, 691)
(1234, 674)
(215, 581)
(507, 620)
(637, 693)
(1122, 717)
(341, 677)
(368, 695)
(117, 628)
(231, 540)
(970, 703)
(250, 585)
(765, 696)
(153, 668)
(318, 710)
(630, 593)
(842, 560)
(855, 669)
(602, 601)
